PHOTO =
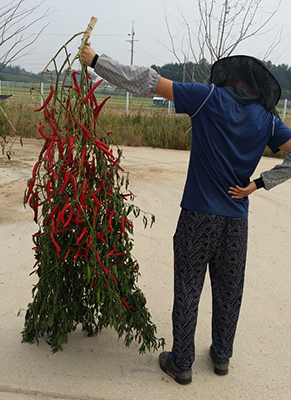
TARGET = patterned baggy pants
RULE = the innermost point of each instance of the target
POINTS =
(203, 239)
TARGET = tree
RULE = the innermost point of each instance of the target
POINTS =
(15, 20)
(222, 26)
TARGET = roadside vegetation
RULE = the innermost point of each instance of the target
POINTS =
(151, 128)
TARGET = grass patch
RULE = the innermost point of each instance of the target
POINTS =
(147, 128)
(139, 128)
(152, 128)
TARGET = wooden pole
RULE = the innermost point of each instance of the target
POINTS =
(89, 30)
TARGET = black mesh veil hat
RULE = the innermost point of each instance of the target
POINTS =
(253, 73)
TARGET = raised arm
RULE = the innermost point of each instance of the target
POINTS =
(137, 80)
(165, 88)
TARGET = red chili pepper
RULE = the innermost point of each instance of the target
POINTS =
(102, 185)
(29, 191)
(84, 230)
(122, 169)
(95, 215)
(54, 128)
(35, 206)
(67, 254)
(118, 254)
(48, 190)
(48, 99)
(56, 244)
(123, 226)
(89, 246)
(77, 254)
(90, 240)
(35, 169)
(125, 303)
(40, 129)
(106, 270)
(84, 129)
(129, 223)
(38, 234)
(110, 219)
(68, 103)
(99, 108)
(64, 209)
(51, 115)
(97, 202)
(71, 144)
(93, 102)
(82, 196)
(115, 280)
(83, 154)
(49, 149)
(59, 218)
(97, 141)
(111, 191)
(69, 218)
(50, 161)
(61, 148)
(102, 148)
(104, 205)
(115, 163)
(86, 132)
(54, 209)
(77, 87)
(67, 178)
(53, 225)
(35, 264)
(92, 90)
(79, 211)
(78, 220)
(101, 237)
(110, 253)
(92, 172)
(54, 173)
(75, 187)
(93, 283)
(126, 195)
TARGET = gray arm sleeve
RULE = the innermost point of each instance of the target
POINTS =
(279, 174)
(136, 80)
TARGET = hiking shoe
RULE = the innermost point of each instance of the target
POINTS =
(168, 365)
(219, 369)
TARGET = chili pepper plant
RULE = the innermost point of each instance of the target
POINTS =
(83, 206)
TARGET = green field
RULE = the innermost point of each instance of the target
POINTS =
(143, 125)
(24, 91)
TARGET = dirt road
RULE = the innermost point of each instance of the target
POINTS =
(102, 367)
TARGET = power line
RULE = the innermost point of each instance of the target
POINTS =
(71, 34)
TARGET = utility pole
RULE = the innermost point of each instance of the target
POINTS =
(132, 40)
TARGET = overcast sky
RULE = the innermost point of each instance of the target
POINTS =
(111, 34)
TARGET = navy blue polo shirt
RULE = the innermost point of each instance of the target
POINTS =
(228, 140)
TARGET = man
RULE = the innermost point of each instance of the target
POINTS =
(232, 122)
